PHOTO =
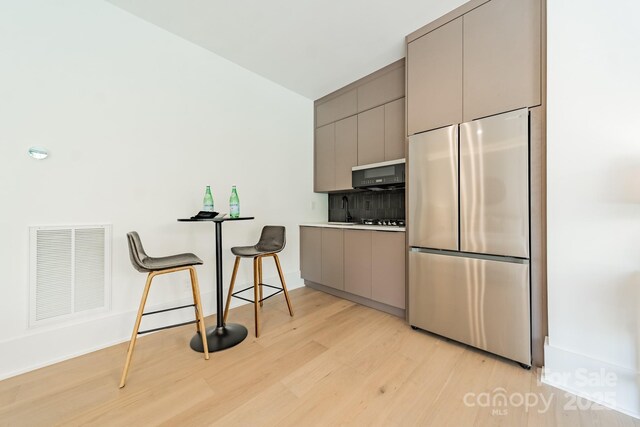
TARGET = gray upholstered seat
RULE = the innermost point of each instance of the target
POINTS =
(272, 240)
(144, 263)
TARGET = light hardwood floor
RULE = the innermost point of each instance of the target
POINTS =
(334, 363)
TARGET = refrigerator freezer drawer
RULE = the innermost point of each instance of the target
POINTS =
(480, 302)
(433, 189)
(494, 185)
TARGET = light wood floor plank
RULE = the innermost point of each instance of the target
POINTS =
(334, 363)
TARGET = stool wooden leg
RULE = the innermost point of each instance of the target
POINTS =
(260, 278)
(284, 286)
(200, 317)
(193, 294)
(233, 282)
(255, 294)
(136, 328)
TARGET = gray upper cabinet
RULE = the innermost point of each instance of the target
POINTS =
(381, 133)
(359, 124)
(485, 62)
(341, 106)
(394, 130)
(502, 68)
(357, 262)
(434, 78)
(325, 158)
(346, 151)
(371, 136)
(386, 88)
(336, 152)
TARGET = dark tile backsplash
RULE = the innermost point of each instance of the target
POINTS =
(368, 204)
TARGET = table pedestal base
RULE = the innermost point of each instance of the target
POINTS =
(220, 338)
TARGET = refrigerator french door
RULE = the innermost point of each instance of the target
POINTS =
(494, 185)
(433, 189)
(468, 213)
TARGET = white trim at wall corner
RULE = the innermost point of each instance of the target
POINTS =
(609, 385)
(37, 349)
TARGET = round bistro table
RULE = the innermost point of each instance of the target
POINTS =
(221, 336)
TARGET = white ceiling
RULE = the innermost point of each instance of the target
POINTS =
(309, 47)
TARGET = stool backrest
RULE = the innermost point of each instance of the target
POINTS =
(272, 239)
(137, 255)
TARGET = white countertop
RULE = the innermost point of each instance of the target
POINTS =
(354, 226)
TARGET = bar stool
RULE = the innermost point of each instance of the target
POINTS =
(155, 267)
(272, 240)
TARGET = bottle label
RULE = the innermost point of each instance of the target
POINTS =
(234, 210)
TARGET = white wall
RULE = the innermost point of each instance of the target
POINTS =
(594, 197)
(138, 121)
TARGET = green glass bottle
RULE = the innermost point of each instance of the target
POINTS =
(234, 203)
(208, 200)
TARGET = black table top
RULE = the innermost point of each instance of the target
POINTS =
(219, 218)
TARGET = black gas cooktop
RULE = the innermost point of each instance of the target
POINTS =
(387, 222)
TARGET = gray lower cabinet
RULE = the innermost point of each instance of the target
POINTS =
(332, 258)
(369, 264)
(311, 254)
(357, 262)
(388, 268)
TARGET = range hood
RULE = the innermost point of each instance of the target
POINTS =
(388, 175)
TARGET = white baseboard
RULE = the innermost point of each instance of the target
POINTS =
(52, 345)
(612, 386)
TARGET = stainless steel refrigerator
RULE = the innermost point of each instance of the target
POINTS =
(468, 222)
